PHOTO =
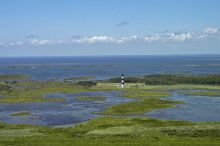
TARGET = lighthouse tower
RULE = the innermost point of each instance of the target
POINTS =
(122, 81)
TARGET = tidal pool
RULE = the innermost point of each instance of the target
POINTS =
(195, 108)
(72, 111)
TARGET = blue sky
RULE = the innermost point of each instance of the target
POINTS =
(109, 27)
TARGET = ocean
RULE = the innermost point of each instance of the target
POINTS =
(104, 67)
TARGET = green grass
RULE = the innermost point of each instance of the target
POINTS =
(133, 86)
(82, 78)
(202, 93)
(114, 131)
(139, 107)
(145, 94)
(18, 133)
(13, 76)
(91, 98)
(34, 91)
(24, 113)
(32, 99)
(27, 96)
(195, 132)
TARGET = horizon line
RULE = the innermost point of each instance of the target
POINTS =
(39, 56)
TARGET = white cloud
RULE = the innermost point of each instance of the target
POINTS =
(41, 42)
(95, 39)
(211, 30)
(180, 37)
(207, 33)
(152, 38)
(201, 36)
(122, 40)
(127, 39)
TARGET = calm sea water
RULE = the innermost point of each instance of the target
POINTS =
(43, 68)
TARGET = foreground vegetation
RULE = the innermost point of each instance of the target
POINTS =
(114, 131)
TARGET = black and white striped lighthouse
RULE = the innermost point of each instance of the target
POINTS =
(122, 81)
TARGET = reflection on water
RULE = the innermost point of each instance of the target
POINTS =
(196, 108)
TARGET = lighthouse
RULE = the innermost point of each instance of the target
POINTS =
(122, 81)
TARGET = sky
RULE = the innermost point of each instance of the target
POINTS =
(109, 27)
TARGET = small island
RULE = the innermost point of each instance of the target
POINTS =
(91, 98)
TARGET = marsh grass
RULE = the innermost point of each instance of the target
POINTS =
(202, 93)
(146, 100)
(139, 107)
(24, 113)
(109, 130)
(134, 86)
(91, 98)
(13, 76)
(34, 91)
(82, 78)
(145, 94)
(193, 131)
(113, 131)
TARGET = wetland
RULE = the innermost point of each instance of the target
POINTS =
(38, 107)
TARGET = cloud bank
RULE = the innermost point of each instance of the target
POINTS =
(207, 33)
